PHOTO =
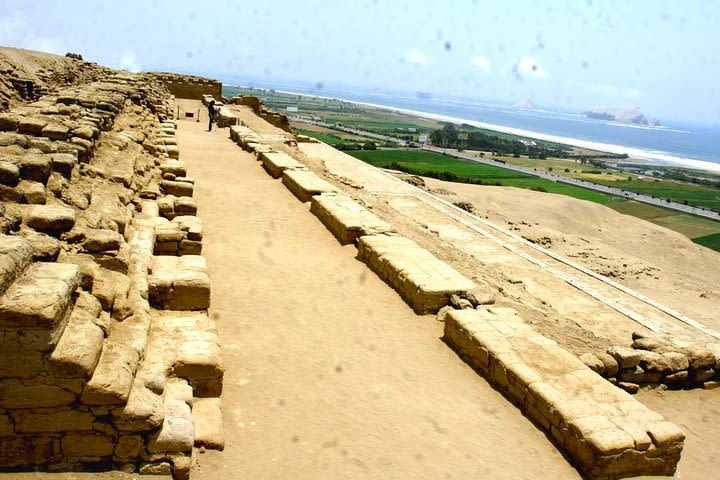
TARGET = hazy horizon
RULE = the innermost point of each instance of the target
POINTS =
(658, 56)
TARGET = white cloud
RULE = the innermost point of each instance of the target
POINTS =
(527, 67)
(480, 62)
(617, 91)
(129, 62)
(415, 57)
(16, 31)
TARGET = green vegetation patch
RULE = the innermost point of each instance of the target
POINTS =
(709, 241)
(446, 167)
(353, 143)
(697, 195)
(689, 225)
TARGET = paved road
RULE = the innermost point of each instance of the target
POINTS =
(580, 183)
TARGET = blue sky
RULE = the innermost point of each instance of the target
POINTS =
(660, 56)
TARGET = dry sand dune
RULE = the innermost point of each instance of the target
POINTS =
(658, 262)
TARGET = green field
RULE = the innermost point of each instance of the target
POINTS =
(377, 125)
(433, 162)
(703, 231)
(389, 122)
(334, 111)
(339, 139)
(679, 192)
(709, 241)
(323, 137)
(688, 225)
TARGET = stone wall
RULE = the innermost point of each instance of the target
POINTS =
(26, 75)
(190, 87)
(274, 118)
(605, 431)
(106, 347)
(657, 360)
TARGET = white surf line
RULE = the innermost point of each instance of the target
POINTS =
(665, 158)
(634, 316)
(567, 278)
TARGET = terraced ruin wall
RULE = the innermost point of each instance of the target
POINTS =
(190, 87)
(604, 430)
(109, 357)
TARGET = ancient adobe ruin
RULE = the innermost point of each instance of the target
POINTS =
(109, 356)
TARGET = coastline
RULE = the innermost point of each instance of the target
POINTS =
(648, 157)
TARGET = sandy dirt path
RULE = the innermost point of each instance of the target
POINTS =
(328, 373)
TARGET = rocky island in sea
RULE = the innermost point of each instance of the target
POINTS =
(631, 116)
(526, 104)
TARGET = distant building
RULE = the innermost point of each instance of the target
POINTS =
(292, 109)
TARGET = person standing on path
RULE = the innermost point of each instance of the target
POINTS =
(211, 114)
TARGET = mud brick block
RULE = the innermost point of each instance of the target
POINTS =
(179, 283)
(277, 162)
(50, 219)
(304, 184)
(421, 279)
(346, 219)
(40, 298)
(605, 430)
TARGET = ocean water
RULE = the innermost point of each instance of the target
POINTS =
(672, 143)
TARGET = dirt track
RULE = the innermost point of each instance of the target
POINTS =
(329, 374)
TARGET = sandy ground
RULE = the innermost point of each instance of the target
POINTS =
(488, 455)
(653, 260)
(540, 293)
(329, 374)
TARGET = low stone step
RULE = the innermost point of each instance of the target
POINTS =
(258, 148)
(178, 189)
(304, 184)
(277, 162)
(207, 417)
(194, 353)
(169, 332)
(40, 298)
(607, 432)
(125, 347)
(143, 411)
(226, 118)
(197, 355)
(36, 167)
(421, 279)
(179, 283)
(191, 225)
(243, 135)
(346, 219)
(177, 432)
(15, 255)
(64, 163)
(175, 167)
(78, 351)
(51, 219)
